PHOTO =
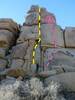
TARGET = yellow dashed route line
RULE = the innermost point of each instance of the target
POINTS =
(39, 38)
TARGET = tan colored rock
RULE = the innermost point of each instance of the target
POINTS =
(28, 32)
(6, 38)
(29, 51)
(70, 37)
(16, 72)
(27, 66)
(9, 24)
(19, 50)
(52, 35)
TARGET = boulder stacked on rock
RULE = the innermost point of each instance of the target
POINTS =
(28, 32)
(17, 61)
(21, 54)
(9, 31)
(51, 33)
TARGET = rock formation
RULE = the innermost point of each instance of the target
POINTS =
(51, 77)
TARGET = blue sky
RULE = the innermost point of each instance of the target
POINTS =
(64, 10)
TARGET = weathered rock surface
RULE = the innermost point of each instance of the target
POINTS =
(9, 24)
(69, 37)
(3, 52)
(66, 79)
(59, 58)
(52, 75)
(3, 64)
(19, 50)
(33, 15)
(7, 38)
(28, 32)
(52, 35)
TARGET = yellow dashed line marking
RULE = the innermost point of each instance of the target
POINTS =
(33, 61)
(35, 46)
(39, 18)
(39, 25)
(39, 38)
(34, 53)
(39, 33)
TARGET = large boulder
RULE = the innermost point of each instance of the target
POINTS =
(66, 79)
(59, 58)
(28, 32)
(19, 50)
(9, 24)
(52, 35)
(7, 38)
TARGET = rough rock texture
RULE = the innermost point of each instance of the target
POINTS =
(19, 50)
(28, 32)
(70, 37)
(67, 79)
(33, 14)
(52, 35)
(9, 24)
(52, 77)
(59, 58)
(3, 52)
(3, 64)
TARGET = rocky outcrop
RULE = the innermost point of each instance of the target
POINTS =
(52, 74)
(66, 79)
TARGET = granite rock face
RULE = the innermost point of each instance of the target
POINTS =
(33, 14)
(51, 77)
(69, 37)
(67, 79)
(59, 58)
